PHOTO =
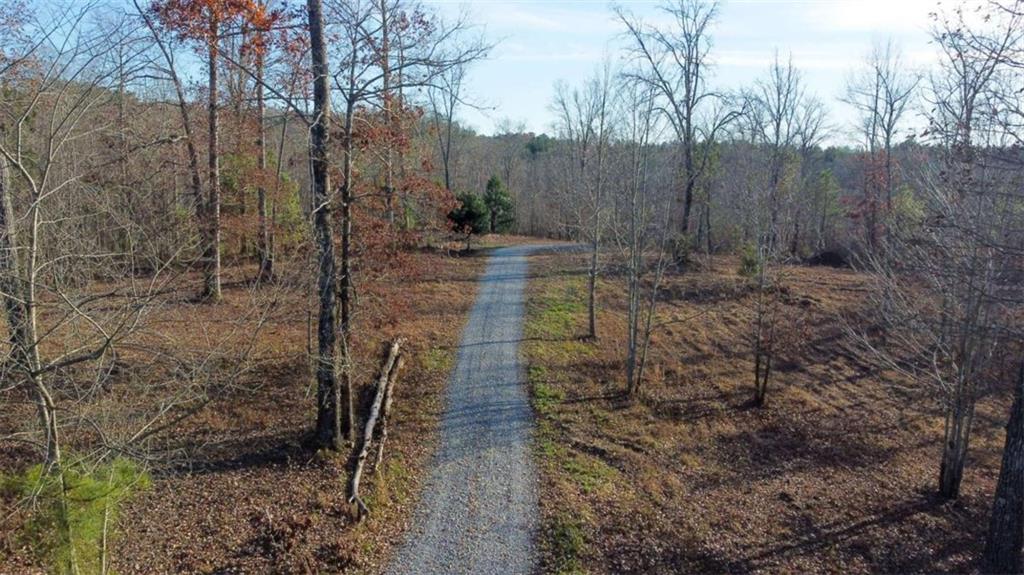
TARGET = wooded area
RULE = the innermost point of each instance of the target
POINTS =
(180, 179)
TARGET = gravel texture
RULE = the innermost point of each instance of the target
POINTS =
(479, 512)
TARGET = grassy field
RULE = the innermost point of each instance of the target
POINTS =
(835, 474)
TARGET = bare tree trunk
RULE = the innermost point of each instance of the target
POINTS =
(10, 277)
(266, 272)
(761, 367)
(444, 133)
(124, 238)
(446, 157)
(959, 419)
(633, 292)
(389, 103)
(211, 273)
(348, 424)
(764, 332)
(598, 198)
(888, 174)
(689, 176)
(592, 288)
(328, 423)
(20, 309)
(707, 229)
(762, 373)
(1006, 527)
(186, 124)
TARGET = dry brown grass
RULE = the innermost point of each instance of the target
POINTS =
(835, 474)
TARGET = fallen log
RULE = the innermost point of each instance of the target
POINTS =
(385, 415)
(383, 380)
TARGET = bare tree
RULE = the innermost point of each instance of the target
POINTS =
(641, 226)
(329, 430)
(812, 130)
(778, 117)
(1005, 42)
(675, 61)
(941, 277)
(444, 100)
(71, 302)
(211, 271)
(880, 93)
(196, 181)
(264, 246)
(412, 58)
(1006, 527)
(584, 125)
(774, 108)
(511, 149)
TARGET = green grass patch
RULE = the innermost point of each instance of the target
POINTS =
(555, 316)
(438, 359)
(556, 312)
(568, 544)
(547, 443)
(537, 375)
(392, 484)
(546, 397)
(590, 473)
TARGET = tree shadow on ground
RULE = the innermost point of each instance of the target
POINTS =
(857, 534)
(271, 450)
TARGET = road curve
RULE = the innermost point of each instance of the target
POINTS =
(479, 512)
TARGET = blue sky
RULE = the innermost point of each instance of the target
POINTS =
(542, 42)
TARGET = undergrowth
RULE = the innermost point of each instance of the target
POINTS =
(73, 511)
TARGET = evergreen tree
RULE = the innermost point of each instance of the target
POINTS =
(499, 206)
(471, 217)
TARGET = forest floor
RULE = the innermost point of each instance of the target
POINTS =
(837, 473)
(236, 489)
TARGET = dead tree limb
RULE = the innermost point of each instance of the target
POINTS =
(385, 416)
(371, 421)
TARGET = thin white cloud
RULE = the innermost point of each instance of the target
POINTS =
(869, 16)
(803, 59)
(760, 59)
(541, 42)
(543, 17)
(516, 52)
(519, 17)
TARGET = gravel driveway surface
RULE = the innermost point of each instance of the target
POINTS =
(479, 509)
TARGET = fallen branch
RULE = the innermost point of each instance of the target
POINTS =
(371, 421)
(385, 415)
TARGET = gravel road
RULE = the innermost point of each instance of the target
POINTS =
(479, 509)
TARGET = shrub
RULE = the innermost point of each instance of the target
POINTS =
(750, 262)
(75, 510)
(682, 250)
